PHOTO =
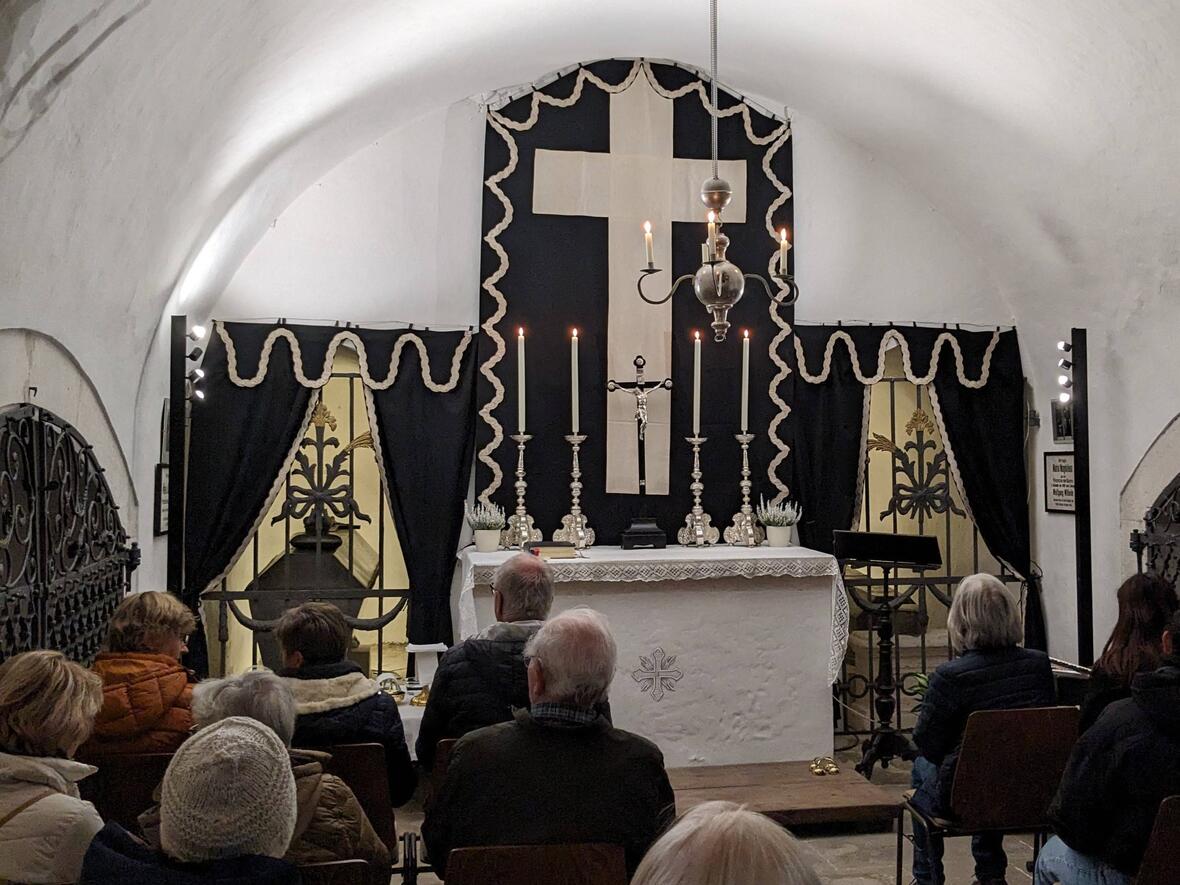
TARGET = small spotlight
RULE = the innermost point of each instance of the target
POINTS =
(1064, 381)
(200, 394)
(196, 374)
(196, 333)
(1063, 397)
(1064, 346)
(195, 353)
(1064, 364)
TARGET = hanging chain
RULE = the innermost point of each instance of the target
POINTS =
(713, 52)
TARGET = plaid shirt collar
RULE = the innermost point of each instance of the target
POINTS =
(562, 715)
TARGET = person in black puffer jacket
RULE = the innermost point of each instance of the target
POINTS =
(335, 701)
(991, 673)
(1120, 770)
(480, 680)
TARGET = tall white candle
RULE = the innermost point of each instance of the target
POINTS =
(520, 380)
(783, 245)
(704, 253)
(696, 384)
(745, 380)
(648, 247)
(712, 235)
(574, 381)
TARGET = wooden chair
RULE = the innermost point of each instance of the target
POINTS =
(590, 864)
(339, 872)
(122, 787)
(1162, 857)
(1010, 765)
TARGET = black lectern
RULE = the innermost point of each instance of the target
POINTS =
(888, 553)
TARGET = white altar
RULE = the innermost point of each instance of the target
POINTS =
(726, 654)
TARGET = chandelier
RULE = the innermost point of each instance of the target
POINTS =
(719, 283)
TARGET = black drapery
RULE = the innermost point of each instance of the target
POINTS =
(826, 431)
(239, 440)
(427, 443)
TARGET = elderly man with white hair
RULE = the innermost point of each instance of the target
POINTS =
(559, 772)
(482, 679)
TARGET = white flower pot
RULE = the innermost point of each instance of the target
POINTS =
(487, 540)
(778, 535)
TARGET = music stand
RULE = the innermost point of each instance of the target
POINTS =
(889, 553)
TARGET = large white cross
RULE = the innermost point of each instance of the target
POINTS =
(639, 180)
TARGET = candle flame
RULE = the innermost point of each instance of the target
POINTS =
(575, 331)
(696, 335)
(783, 235)
(647, 227)
(520, 331)
(712, 216)
(745, 333)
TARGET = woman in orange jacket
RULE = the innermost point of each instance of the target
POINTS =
(147, 694)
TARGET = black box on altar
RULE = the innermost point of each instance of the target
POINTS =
(644, 533)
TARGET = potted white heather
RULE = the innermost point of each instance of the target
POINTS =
(486, 520)
(778, 519)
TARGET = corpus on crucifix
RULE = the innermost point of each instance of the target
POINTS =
(640, 388)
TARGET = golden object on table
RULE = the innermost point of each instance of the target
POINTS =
(821, 766)
(420, 699)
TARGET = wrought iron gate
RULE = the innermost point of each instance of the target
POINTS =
(1157, 547)
(64, 558)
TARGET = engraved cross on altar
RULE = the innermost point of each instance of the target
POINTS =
(641, 389)
(638, 180)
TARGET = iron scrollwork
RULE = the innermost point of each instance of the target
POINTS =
(921, 484)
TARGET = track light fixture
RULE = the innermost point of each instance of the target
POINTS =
(195, 353)
(1064, 346)
(1064, 397)
(196, 333)
(1064, 381)
(196, 374)
(1064, 364)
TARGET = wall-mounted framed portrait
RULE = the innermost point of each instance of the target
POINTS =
(160, 517)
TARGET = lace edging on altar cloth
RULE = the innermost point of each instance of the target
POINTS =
(680, 570)
(326, 373)
(503, 126)
(894, 336)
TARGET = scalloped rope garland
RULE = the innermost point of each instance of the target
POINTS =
(896, 336)
(338, 339)
(502, 125)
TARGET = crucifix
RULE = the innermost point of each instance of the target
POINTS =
(638, 180)
(640, 388)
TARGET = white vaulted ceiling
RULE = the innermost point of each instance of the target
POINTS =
(146, 145)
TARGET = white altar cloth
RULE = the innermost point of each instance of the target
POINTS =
(726, 654)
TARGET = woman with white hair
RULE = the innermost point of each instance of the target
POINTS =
(721, 843)
(330, 825)
(991, 672)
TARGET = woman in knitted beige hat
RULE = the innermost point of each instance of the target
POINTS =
(227, 814)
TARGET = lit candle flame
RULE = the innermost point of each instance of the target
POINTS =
(575, 331)
(520, 331)
(696, 335)
(712, 216)
(783, 235)
(647, 227)
(745, 333)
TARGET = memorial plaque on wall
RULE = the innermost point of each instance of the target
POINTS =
(1059, 483)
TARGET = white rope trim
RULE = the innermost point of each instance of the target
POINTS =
(504, 127)
(334, 345)
(896, 336)
(276, 487)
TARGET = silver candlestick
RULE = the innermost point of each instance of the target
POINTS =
(745, 531)
(574, 527)
(698, 525)
(520, 530)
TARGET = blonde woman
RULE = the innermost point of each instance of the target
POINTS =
(47, 708)
(720, 843)
(147, 693)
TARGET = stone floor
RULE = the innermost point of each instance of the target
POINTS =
(852, 858)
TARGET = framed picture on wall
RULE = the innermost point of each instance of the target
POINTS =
(1062, 415)
(164, 435)
(1059, 483)
(160, 520)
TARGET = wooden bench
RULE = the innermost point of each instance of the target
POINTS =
(787, 792)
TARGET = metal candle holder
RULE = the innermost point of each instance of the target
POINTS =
(745, 531)
(698, 528)
(574, 527)
(520, 530)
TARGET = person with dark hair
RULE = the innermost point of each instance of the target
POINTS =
(1120, 770)
(336, 702)
(147, 692)
(1146, 605)
(991, 672)
(480, 680)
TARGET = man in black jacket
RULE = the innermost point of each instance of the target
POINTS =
(480, 680)
(1121, 769)
(558, 773)
(335, 701)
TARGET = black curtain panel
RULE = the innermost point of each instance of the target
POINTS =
(427, 445)
(985, 429)
(826, 424)
(238, 443)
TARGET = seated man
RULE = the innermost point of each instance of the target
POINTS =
(336, 702)
(559, 772)
(481, 679)
(1121, 769)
